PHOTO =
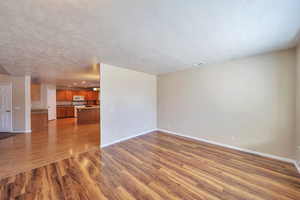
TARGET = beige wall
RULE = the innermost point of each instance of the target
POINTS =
(298, 106)
(128, 103)
(247, 103)
(20, 102)
(42, 103)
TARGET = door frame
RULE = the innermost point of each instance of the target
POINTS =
(48, 103)
(11, 111)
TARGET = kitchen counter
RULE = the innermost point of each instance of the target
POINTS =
(86, 115)
(39, 111)
(65, 111)
(88, 108)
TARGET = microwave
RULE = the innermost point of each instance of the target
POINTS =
(78, 98)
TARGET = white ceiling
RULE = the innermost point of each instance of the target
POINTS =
(65, 38)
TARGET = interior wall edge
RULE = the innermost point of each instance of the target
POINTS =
(127, 138)
(128, 104)
(297, 166)
(297, 145)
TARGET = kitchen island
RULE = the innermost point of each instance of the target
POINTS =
(87, 115)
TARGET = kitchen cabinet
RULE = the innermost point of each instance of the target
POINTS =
(88, 115)
(95, 95)
(90, 95)
(65, 112)
(67, 95)
(79, 92)
(60, 95)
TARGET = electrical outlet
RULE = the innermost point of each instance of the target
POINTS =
(232, 137)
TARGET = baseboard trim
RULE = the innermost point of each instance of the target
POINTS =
(127, 138)
(236, 148)
(297, 166)
(22, 131)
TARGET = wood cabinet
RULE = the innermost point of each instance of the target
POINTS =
(60, 95)
(67, 95)
(91, 95)
(65, 112)
(75, 93)
(60, 112)
(88, 115)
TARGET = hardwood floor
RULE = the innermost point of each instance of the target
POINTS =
(61, 139)
(6, 135)
(158, 166)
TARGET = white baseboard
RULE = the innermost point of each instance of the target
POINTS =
(127, 138)
(21, 131)
(288, 160)
(297, 166)
(237, 148)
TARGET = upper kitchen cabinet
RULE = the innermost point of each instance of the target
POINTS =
(96, 95)
(79, 93)
(64, 95)
(60, 95)
(67, 95)
(89, 95)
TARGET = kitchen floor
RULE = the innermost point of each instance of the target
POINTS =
(61, 139)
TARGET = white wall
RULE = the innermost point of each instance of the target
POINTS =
(51, 101)
(128, 103)
(27, 88)
(297, 148)
(21, 102)
(247, 103)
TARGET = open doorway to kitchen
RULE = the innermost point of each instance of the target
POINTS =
(65, 121)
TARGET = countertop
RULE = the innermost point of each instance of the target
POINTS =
(39, 111)
(88, 108)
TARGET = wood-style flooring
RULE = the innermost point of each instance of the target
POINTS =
(6, 135)
(60, 139)
(158, 166)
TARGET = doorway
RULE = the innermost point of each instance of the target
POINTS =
(51, 102)
(5, 107)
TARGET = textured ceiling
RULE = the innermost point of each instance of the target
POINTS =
(63, 39)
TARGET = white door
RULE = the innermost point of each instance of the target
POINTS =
(5, 107)
(51, 101)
